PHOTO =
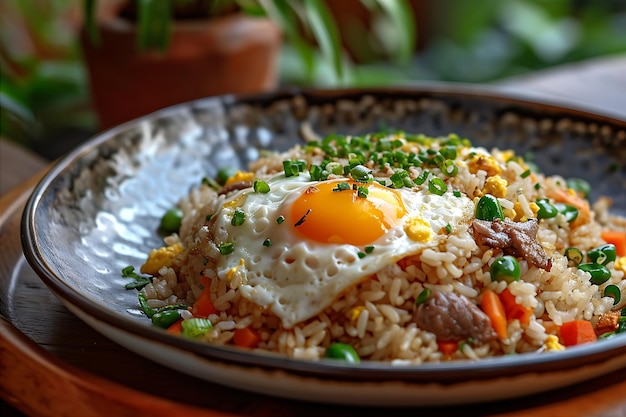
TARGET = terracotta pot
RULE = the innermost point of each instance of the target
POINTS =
(232, 54)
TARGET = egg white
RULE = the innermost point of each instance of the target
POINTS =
(298, 278)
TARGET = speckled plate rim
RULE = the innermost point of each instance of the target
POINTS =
(367, 372)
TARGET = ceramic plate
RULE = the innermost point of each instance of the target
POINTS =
(98, 211)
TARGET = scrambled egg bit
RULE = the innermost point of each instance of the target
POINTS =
(240, 176)
(161, 257)
(496, 186)
(418, 229)
(486, 163)
(620, 264)
(552, 344)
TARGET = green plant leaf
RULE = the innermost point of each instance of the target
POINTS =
(324, 29)
(401, 16)
(89, 9)
(154, 24)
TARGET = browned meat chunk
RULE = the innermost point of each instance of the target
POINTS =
(235, 186)
(453, 317)
(608, 322)
(514, 238)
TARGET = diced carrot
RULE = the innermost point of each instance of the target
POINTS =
(176, 327)
(203, 307)
(493, 308)
(617, 238)
(562, 196)
(576, 332)
(246, 337)
(514, 310)
(447, 347)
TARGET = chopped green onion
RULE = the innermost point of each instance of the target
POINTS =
(570, 212)
(422, 178)
(224, 174)
(456, 193)
(448, 228)
(145, 307)
(239, 217)
(342, 186)
(423, 296)
(208, 217)
(525, 173)
(613, 291)
(165, 319)
(537, 186)
(449, 168)
(437, 186)
(546, 209)
(448, 152)
(267, 243)
(580, 186)
(361, 173)
(599, 273)
(196, 326)
(139, 282)
(261, 186)
(209, 182)
(334, 168)
(489, 208)
(280, 219)
(602, 254)
(362, 192)
(361, 255)
(369, 249)
(574, 255)
(226, 248)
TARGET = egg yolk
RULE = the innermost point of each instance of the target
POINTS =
(325, 214)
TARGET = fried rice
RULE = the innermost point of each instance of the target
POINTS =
(382, 315)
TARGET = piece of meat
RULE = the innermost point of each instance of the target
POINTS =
(453, 317)
(608, 322)
(514, 238)
(240, 185)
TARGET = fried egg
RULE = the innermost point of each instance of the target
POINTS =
(304, 243)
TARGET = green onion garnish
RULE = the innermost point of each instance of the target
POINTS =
(361, 255)
(196, 326)
(280, 219)
(423, 296)
(267, 243)
(261, 186)
(369, 249)
(226, 248)
(437, 186)
(362, 192)
(525, 173)
(361, 173)
(448, 228)
(449, 168)
(239, 217)
(456, 193)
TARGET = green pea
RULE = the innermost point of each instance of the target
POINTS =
(570, 212)
(505, 268)
(580, 186)
(165, 319)
(171, 220)
(224, 174)
(342, 351)
(489, 208)
(602, 254)
(599, 273)
(546, 209)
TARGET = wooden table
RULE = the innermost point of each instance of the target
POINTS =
(38, 366)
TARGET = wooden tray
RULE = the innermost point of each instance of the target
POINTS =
(52, 364)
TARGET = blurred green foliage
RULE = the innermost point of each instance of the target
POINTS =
(44, 82)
